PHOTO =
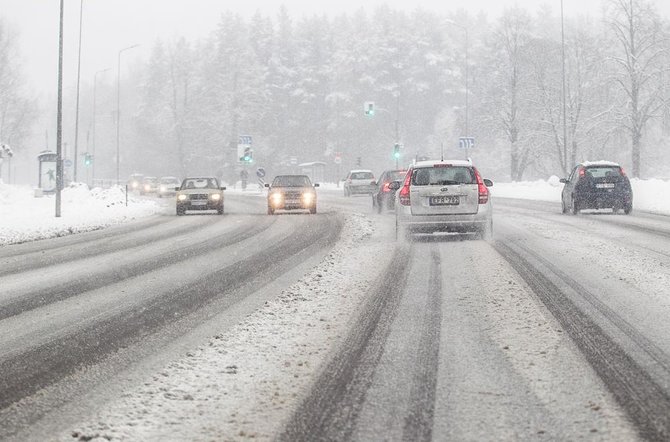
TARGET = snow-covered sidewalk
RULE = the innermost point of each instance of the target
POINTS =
(26, 218)
(648, 195)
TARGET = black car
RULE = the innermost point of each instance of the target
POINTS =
(291, 192)
(597, 185)
(383, 197)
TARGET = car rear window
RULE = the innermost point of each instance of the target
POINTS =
(397, 176)
(603, 171)
(362, 176)
(441, 176)
(291, 181)
(200, 183)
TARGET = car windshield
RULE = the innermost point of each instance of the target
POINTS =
(169, 180)
(151, 180)
(604, 172)
(362, 176)
(199, 183)
(432, 176)
(291, 181)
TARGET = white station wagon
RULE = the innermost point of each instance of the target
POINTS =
(443, 196)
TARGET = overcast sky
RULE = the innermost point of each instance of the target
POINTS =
(110, 25)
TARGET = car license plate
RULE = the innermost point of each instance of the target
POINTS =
(605, 185)
(292, 201)
(198, 203)
(444, 200)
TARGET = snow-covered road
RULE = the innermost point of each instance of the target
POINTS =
(326, 328)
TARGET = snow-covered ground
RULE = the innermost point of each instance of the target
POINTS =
(23, 217)
(242, 382)
(648, 195)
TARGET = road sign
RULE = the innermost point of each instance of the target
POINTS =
(293, 161)
(466, 142)
(337, 159)
(260, 172)
(67, 163)
(245, 139)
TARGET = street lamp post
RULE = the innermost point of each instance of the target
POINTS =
(59, 116)
(467, 69)
(565, 129)
(76, 119)
(118, 112)
(95, 91)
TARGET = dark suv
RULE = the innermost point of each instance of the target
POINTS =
(383, 197)
(597, 185)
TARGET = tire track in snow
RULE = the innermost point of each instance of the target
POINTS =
(27, 373)
(330, 410)
(646, 403)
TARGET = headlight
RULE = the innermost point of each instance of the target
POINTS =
(163, 188)
(134, 184)
(181, 197)
(276, 198)
(147, 187)
(308, 198)
(215, 196)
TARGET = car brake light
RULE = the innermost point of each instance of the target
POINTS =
(582, 172)
(623, 172)
(385, 187)
(403, 196)
(483, 190)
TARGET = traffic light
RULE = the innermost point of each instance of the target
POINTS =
(396, 151)
(369, 109)
(248, 155)
(88, 159)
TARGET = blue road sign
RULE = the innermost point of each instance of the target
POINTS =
(466, 142)
(260, 172)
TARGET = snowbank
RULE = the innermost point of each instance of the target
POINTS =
(26, 218)
(648, 195)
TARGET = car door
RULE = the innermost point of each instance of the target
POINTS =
(444, 190)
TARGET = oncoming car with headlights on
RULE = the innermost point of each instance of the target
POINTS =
(201, 193)
(291, 192)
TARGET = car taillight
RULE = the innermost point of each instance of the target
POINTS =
(403, 196)
(385, 187)
(582, 172)
(483, 190)
(373, 182)
(623, 172)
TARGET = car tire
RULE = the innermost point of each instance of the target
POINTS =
(574, 208)
(628, 208)
(181, 212)
(271, 211)
(564, 208)
(220, 211)
(312, 210)
(380, 205)
(486, 233)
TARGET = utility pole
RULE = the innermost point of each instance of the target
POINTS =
(95, 91)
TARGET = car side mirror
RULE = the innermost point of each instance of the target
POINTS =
(488, 183)
(267, 185)
(563, 180)
(394, 185)
(223, 188)
(316, 184)
(177, 189)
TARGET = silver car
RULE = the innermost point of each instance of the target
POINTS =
(443, 196)
(360, 182)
